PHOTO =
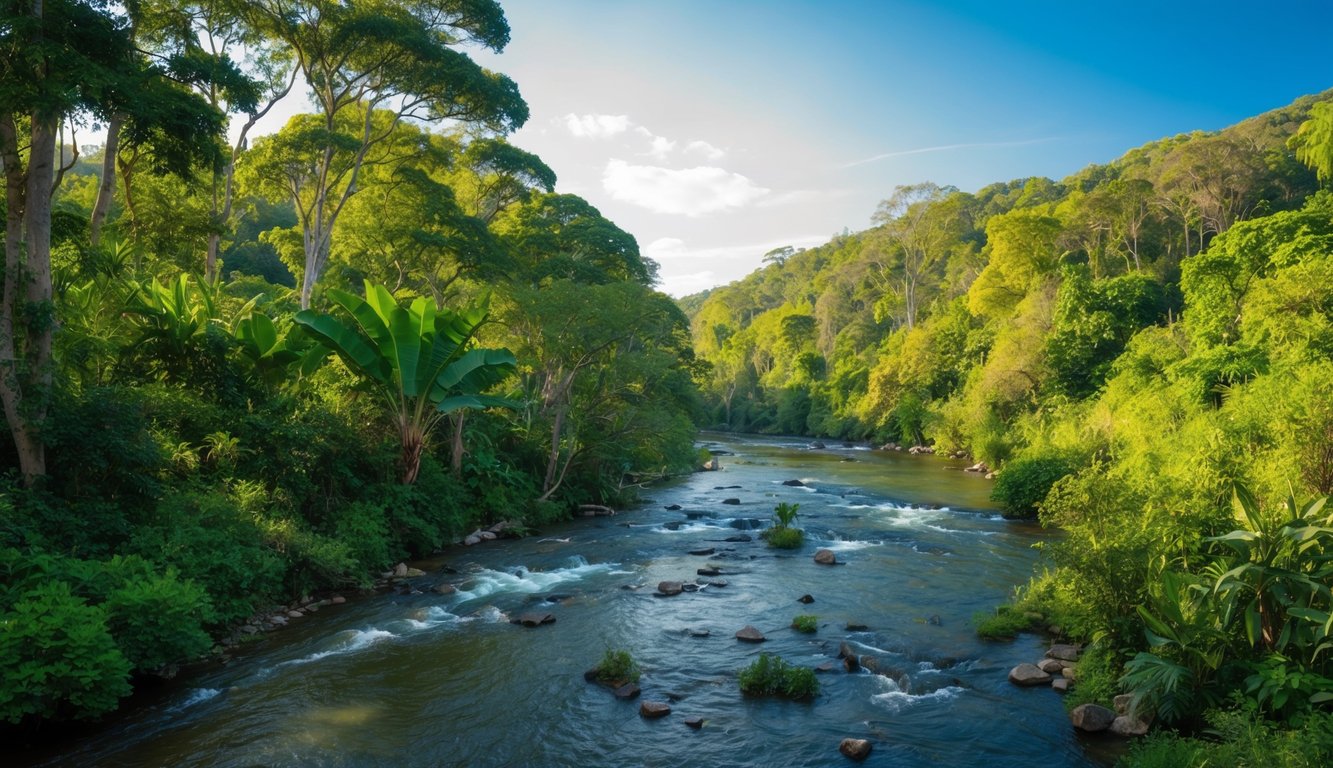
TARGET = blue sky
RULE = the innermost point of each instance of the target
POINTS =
(715, 131)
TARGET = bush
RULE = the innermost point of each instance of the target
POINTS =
(57, 658)
(805, 622)
(617, 667)
(1004, 624)
(784, 538)
(772, 676)
(158, 620)
(1024, 483)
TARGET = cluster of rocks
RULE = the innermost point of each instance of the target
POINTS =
(277, 617)
(1121, 721)
(1057, 670)
(490, 534)
(921, 450)
(980, 466)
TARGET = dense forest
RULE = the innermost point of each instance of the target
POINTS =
(241, 370)
(1144, 352)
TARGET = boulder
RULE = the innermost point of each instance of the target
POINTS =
(1064, 652)
(672, 507)
(444, 588)
(400, 571)
(534, 619)
(712, 465)
(825, 666)
(1068, 673)
(793, 483)
(1125, 725)
(869, 663)
(850, 664)
(739, 537)
(1124, 704)
(250, 629)
(806, 599)
(472, 540)
(1060, 685)
(749, 634)
(295, 615)
(1028, 674)
(487, 535)
(816, 445)
(856, 626)
(628, 691)
(845, 651)
(669, 588)
(1051, 666)
(689, 587)
(856, 749)
(826, 557)
(1092, 718)
(654, 709)
(733, 502)
(694, 722)
(708, 572)
(703, 552)
(992, 475)
(278, 620)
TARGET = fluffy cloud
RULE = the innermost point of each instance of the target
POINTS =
(687, 191)
(704, 148)
(597, 126)
(660, 147)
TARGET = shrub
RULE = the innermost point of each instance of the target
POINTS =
(57, 657)
(784, 538)
(1024, 483)
(158, 620)
(805, 622)
(617, 667)
(772, 676)
(1004, 624)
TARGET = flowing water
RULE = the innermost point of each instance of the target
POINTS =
(432, 680)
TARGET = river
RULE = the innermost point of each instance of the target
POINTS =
(432, 680)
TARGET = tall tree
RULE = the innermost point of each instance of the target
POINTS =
(56, 58)
(1314, 141)
(399, 57)
(916, 227)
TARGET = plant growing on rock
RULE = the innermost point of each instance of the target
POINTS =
(805, 622)
(617, 667)
(773, 676)
(782, 535)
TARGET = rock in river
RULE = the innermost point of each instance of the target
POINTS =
(806, 599)
(628, 691)
(793, 483)
(826, 557)
(534, 619)
(669, 588)
(702, 552)
(856, 749)
(654, 709)
(1063, 652)
(733, 502)
(749, 634)
(1031, 674)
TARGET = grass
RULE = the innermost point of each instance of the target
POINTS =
(784, 538)
(772, 676)
(617, 666)
(805, 622)
(1004, 624)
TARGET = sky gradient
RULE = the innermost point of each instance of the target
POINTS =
(716, 131)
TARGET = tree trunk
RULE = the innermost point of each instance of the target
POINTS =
(106, 190)
(11, 330)
(456, 455)
(553, 461)
(413, 442)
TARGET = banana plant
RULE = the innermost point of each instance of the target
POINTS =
(418, 358)
(274, 353)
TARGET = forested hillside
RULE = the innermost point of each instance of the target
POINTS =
(238, 369)
(1144, 350)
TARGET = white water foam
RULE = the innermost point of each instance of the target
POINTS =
(895, 699)
(197, 696)
(836, 542)
(520, 580)
(346, 641)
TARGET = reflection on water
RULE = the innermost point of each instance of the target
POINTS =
(429, 679)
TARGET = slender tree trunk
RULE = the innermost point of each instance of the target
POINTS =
(106, 190)
(456, 456)
(11, 371)
(553, 461)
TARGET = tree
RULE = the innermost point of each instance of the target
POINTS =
(417, 358)
(559, 237)
(1314, 141)
(58, 58)
(396, 58)
(917, 226)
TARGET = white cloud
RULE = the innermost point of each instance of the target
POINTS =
(725, 262)
(597, 126)
(686, 191)
(704, 148)
(684, 285)
(660, 146)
